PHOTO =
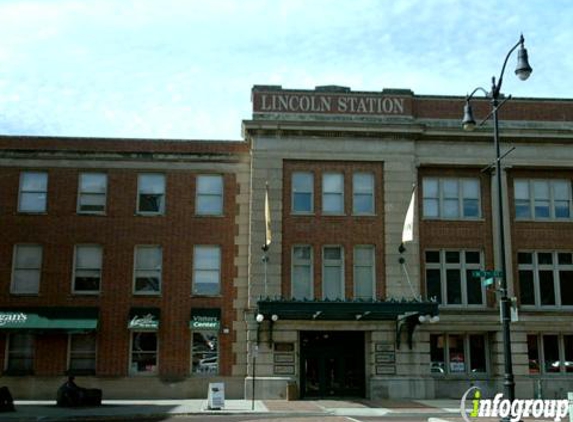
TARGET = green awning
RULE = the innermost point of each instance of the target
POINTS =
(205, 319)
(143, 319)
(53, 318)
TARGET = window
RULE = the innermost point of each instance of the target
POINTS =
(82, 356)
(449, 277)
(33, 192)
(332, 273)
(151, 194)
(364, 276)
(550, 353)
(207, 270)
(302, 192)
(545, 278)
(209, 195)
(363, 193)
(542, 199)
(301, 275)
(143, 353)
(448, 198)
(87, 269)
(205, 353)
(458, 354)
(20, 354)
(147, 274)
(27, 269)
(333, 193)
(92, 193)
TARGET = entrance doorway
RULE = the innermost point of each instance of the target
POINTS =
(332, 364)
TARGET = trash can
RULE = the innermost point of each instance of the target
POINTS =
(291, 391)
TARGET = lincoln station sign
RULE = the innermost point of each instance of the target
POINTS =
(268, 102)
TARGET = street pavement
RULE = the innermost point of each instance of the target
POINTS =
(144, 409)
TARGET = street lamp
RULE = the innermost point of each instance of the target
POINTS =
(523, 70)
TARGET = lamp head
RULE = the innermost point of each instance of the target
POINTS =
(468, 122)
(523, 69)
(260, 318)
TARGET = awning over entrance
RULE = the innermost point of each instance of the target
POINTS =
(53, 318)
(143, 319)
(205, 319)
(340, 310)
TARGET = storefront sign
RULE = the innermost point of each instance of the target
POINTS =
(12, 318)
(329, 103)
(204, 323)
(148, 322)
(206, 319)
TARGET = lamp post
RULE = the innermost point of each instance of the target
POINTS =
(523, 70)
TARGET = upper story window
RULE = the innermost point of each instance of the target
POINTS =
(151, 194)
(33, 192)
(449, 277)
(458, 354)
(87, 269)
(207, 270)
(451, 198)
(332, 272)
(333, 193)
(301, 273)
(302, 192)
(542, 199)
(363, 193)
(27, 269)
(209, 195)
(92, 193)
(545, 278)
(147, 274)
(364, 272)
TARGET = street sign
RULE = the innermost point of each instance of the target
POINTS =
(488, 273)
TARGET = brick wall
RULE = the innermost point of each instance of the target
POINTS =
(318, 230)
(118, 233)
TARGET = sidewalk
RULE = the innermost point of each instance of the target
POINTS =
(116, 409)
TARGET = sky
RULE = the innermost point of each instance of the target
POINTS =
(184, 69)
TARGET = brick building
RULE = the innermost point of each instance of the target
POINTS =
(346, 312)
(124, 260)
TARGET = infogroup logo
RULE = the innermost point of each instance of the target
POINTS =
(516, 410)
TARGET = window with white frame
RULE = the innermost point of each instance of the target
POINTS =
(33, 195)
(301, 275)
(363, 193)
(82, 354)
(451, 198)
(20, 359)
(87, 269)
(92, 193)
(458, 354)
(205, 353)
(333, 193)
(302, 192)
(209, 195)
(27, 269)
(151, 194)
(542, 199)
(364, 272)
(332, 272)
(550, 353)
(147, 273)
(207, 270)
(143, 359)
(450, 278)
(545, 278)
